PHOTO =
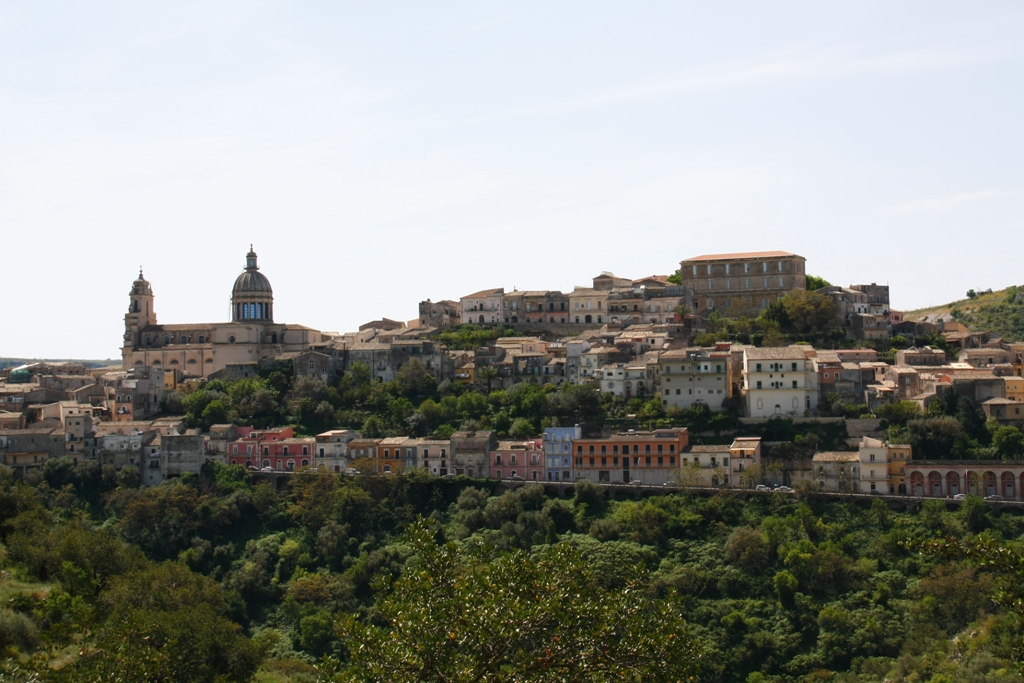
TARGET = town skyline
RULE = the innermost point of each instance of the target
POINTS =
(436, 151)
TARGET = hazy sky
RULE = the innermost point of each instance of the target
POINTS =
(380, 153)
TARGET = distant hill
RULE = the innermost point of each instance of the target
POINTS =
(1001, 313)
(15, 362)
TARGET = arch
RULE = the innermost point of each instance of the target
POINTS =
(202, 339)
(972, 485)
(174, 361)
(290, 464)
(934, 484)
(387, 468)
(481, 318)
(917, 483)
(266, 463)
(587, 318)
(990, 483)
(304, 463)
(952, 483)
(1006, 487)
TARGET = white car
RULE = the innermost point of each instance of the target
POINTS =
(784, 489)
(762, 487)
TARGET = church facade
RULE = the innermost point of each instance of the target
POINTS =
(199, 350)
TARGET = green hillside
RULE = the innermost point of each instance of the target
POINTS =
(1001, 313)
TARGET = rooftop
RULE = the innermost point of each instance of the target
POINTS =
(741, 255)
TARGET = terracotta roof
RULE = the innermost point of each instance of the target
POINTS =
(485, 293)
(778, 352)
(710, 449)
(837, 456)
(741, 255)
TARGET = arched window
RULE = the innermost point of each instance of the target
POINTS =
(202, 339)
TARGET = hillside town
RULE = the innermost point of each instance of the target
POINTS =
(661, 338)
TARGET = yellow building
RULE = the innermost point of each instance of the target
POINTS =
(899, 458)
(1014, 388)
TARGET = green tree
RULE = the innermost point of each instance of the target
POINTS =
(1009, 442)
(488, 375)
(814, 282)
(521, 429)
(458, 614)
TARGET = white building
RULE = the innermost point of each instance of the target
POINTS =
(483, 307)
(624, 379)
(745, 461)
(837, 470)
(332, 450)
(706, 466)
(694, 375)
(780, 381)
(874, 466)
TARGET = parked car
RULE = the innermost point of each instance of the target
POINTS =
(762, 487)
(268, 468)
(960, 496)
(994, 496)
(636, 482)
(784, 489)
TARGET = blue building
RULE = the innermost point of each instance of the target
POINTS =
(558, 451)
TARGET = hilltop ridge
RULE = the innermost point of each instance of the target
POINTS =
(1000, 312)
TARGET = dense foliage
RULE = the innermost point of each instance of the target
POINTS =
(209, 577)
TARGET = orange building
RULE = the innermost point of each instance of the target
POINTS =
(899, 459)
(651, 458)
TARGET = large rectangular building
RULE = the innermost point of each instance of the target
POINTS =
(649, 457)
(741, 284)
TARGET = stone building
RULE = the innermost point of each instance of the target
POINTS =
(741, 284)
(439, 314)
(199, 350)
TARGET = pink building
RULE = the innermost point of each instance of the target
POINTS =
(523, 459)
(278, 448)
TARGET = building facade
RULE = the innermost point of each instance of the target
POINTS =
(741, 284)
(695, 375)
(199, 350)
(558, 451)
(650, 457)
(780, 381)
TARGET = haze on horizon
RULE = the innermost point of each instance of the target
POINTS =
(378, 154)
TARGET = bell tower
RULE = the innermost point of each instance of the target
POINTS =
(140, 311)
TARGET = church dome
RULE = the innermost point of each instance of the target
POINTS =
(252, 281)
(252, 298)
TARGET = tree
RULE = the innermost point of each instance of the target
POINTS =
(1009, 442)
(521, 429)
(458, 614)
(899, 413)
(814, 282)
(487, 374)
(809, 311)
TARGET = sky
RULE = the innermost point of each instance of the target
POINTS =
(377, 154)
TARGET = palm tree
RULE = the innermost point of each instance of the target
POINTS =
(487, 373)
